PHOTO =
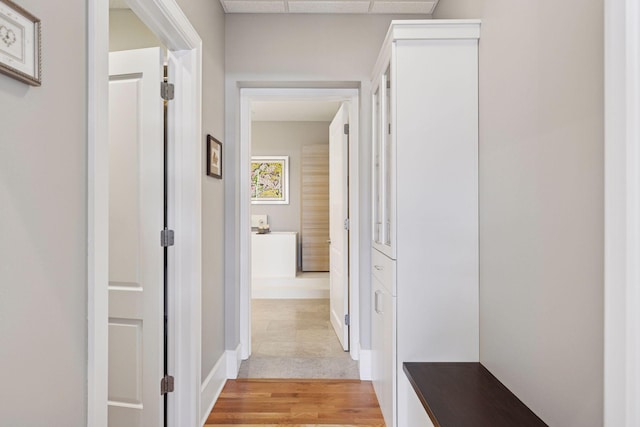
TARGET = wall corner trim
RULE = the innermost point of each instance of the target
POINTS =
(365, 365)
(233, 362)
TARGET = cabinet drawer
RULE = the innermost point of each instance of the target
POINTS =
(384, 269)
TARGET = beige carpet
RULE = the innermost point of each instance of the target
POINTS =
(294, 339)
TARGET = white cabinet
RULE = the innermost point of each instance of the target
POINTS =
(425, 202)
(383, 349)
(413, 413)
(274, 254)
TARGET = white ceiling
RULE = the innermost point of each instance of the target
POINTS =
(293, 111)
(330, 6)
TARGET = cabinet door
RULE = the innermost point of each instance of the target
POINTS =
(388, 194)
(383, 166)
(376, 168)
(377, 340)
(383, 350)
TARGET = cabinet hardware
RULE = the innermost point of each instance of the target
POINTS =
(376, 302)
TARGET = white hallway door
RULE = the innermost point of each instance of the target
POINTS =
(338, 231)
(136, 203)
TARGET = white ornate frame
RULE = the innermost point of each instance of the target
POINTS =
(35, 50)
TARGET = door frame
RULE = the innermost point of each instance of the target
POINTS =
(622, 214)
(248, 95)
(167, 21)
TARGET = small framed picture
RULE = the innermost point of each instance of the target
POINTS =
(214, 157)
(20, 56)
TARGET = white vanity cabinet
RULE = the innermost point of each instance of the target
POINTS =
(425, 202)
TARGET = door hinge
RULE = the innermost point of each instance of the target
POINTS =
(166, 385)
(167, 91)
(347, 320)
(167, 238)
(346, 224)
(346, 129)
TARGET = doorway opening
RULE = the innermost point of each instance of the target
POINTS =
(288, 290)
(299, 243)
(166, 22)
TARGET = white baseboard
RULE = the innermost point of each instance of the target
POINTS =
(304, 286)
(233, 363)
(289, 293)
(212, 386)
(365, 365)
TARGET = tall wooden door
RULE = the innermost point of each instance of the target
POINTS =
(338, 224)
(315, 207)
(136, 203)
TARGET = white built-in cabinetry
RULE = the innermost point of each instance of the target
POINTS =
(425, 203)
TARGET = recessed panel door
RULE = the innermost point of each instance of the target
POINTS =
(338, 225)
(136, 203)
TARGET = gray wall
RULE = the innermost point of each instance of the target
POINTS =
(43, 206)
(208, 19)
(126, 32)
(286, 139)
(43, 203)
(329, 50)
(541, 201)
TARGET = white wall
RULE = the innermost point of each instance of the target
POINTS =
(287, 139)
(541, 201)
(43, 221)
(303, 50)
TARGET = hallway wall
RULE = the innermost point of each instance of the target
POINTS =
(43, 223)
(207, 17)
(126, 32)
(300, 48)
(541, 201)
(287, 139)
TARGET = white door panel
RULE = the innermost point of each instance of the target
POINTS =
(136, 204)
(125, 356)
(338, 235)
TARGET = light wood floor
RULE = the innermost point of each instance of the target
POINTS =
(264, 403)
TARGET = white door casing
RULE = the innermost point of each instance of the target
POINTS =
(136, 206)
(622, 214)
(338, 225)
(239, 193)
(168, 22)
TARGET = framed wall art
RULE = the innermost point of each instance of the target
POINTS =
(20, 41)
(214, 157)
(270, 180)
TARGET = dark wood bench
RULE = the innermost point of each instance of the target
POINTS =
(467, 395)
